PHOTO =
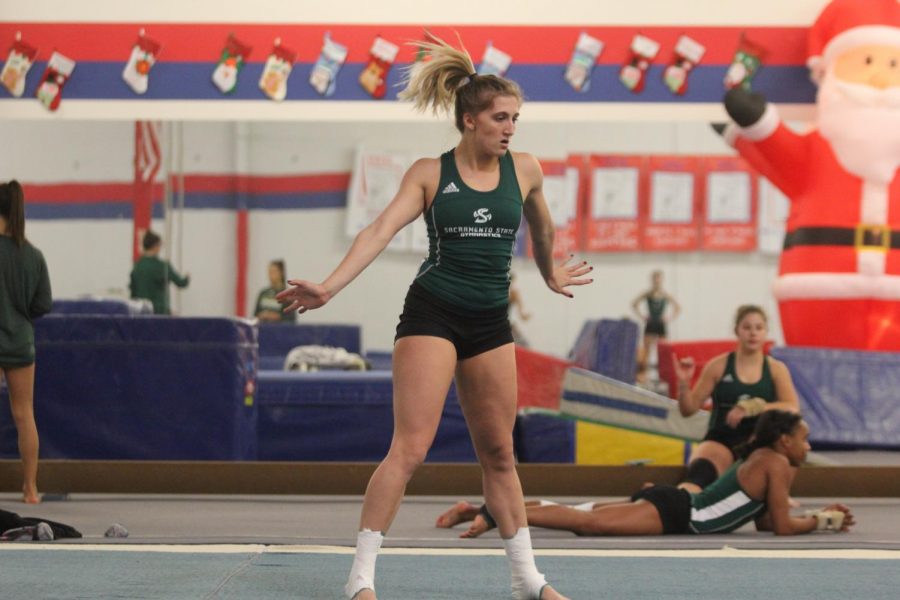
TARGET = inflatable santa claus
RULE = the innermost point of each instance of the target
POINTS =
(839, 278)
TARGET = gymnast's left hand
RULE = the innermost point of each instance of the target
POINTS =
(303, 296)
(566, 274)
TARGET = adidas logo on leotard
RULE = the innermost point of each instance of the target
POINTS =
(450, 188)
(728, 378)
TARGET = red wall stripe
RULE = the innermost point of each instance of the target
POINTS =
(528, 44)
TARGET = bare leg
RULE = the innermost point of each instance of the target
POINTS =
(616, 518)
(423, 369)
(486, 385)
(21, 399)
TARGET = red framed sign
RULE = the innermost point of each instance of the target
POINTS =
(730, 205)
(673, 205)
(616, 203)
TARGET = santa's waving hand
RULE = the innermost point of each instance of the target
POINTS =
(839, 278)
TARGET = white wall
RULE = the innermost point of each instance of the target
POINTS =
(93, 257)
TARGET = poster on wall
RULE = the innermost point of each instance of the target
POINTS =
(673, 216)
(374, 181)
(615, 203)
(562, 191)
(729, 191)
(773, 213)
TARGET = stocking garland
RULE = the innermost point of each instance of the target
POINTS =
(273, 81)
(578, 71)
(688, 53)
(324, 73)
(633, 75)
(15, 69)
(49, 90)
(137, 70)
(374, 76)
(232, 60)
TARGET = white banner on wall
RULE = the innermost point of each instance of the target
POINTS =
(773, 213)
(374, 182)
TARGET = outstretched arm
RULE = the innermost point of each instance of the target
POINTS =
(765, 142)
(540, 224)
(408, 204)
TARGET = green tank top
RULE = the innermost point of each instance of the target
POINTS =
(471, 237)
(723, 505)
(656, 307)
(729, 390)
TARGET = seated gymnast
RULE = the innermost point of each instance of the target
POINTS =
(756, 488)
(742, 384)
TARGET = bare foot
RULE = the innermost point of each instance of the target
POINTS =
(548, 593)
(478, 526)
(460, 513)
(30, 495)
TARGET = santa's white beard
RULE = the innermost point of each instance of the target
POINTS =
(863, 125)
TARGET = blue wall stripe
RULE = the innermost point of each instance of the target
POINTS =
(114, 209)
(540, 82)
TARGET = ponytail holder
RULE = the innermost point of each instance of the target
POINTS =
(473, 75)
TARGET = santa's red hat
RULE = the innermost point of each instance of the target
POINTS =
(845, 24)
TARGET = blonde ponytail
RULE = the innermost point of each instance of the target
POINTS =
(447, 78)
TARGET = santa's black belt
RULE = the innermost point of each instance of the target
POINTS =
(862, 237)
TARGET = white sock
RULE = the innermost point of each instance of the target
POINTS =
(527, 582)
(584, 506)
(362, 574)
(547, 502)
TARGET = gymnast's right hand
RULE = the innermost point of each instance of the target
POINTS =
(303, 296)
(684, 367)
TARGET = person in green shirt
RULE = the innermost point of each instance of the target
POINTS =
(151, 275)
(755, 488)
(24, 295)
(268, 308)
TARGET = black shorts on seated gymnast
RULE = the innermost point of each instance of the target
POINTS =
(472, 332)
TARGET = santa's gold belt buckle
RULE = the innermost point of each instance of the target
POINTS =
(872, 237)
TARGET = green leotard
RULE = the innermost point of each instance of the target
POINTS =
(729, 390)
(723, 505)
(471, 236)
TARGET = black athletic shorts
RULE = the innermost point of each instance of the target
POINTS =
(472, 332)
(673, 505)
(655, 327)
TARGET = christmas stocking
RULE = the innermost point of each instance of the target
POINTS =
(634, 74)
(273, 81)
(688, 53)
(234, 54)
(494, 62)
(374, 77)
(747, 60)
(137, 71)
(21, 57)
(324, 73)
(55, 76)
(578, 71)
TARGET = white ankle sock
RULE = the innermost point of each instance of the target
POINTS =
(527, 582)
(362, 574)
